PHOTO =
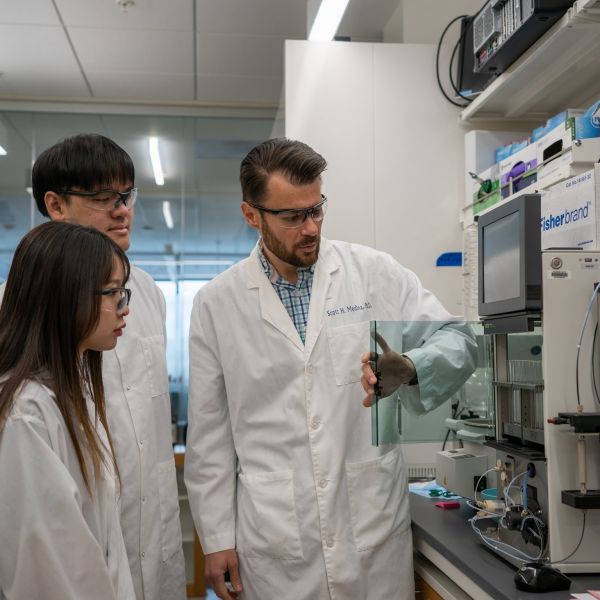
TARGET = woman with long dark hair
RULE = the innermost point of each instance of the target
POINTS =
(64, 303)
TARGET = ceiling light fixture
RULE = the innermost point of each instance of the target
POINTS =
(3, 152)
(125, 4)
(328, 19)
(167, 214)
(155, 158)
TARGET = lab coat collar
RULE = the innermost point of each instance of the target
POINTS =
(327, 279)
(272, 309)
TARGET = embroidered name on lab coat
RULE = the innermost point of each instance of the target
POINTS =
(349, 308)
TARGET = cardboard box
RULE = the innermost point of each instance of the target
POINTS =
(486, 194)
(480, 150)
(519, 171)
(569, 212)
(553, 122)
(576, 160)
(570, 147)
(458, 471)
(503, 152)
(480, 153)
(586, 125)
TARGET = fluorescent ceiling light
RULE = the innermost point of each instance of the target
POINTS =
(155, 158)
(167, 214)
(328, 20)
(3, 152)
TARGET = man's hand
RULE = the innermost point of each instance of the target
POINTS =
(394, 369)
(216, 565)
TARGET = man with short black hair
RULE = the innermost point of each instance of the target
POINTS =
(89, 180)
(288, 494)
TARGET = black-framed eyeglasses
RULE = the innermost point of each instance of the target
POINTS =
(291, 218)
(124, 295)
(106, 200)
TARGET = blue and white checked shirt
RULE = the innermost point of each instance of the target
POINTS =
(295, 297)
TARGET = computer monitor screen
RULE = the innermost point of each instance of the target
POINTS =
(501, 264)
(510, 257)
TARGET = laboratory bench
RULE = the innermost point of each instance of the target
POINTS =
(454, 563)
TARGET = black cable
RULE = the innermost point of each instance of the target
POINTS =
(587, 314)
(562, 560)
(446, 440)
(437, 63)
(450, 76)
(577, 368)
(577, 378)
(593, 364)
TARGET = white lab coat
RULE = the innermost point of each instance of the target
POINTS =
(136, 388)
(316, 511)
(139, 414)
(56, 542)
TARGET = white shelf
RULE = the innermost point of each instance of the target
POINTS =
(561, 70)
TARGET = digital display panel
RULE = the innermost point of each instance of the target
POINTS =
(501, 259)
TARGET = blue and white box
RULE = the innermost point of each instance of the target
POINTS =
(570, 147)
(503, 152)
(586, 125)
(569, 212)
(553, 122)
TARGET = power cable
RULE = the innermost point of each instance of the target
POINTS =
(595, 385)
(585, 319)
(562, 560)
(503, 547)
(437, 63)
(450, 75)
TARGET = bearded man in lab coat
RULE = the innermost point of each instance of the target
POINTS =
(89, 180)
(289, 497)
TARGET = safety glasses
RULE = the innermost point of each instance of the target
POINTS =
(105, 200)
(122, 295)
(292, 218)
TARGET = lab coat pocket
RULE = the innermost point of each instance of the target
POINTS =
(155, 356)
(346, 345)
(267, 524)
(378, 496)
(169, 509)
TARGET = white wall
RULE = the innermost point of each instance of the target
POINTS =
(394, 146)
(329, 104)
(393, 31)
(422, 21)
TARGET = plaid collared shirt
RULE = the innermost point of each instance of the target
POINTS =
(295, 297)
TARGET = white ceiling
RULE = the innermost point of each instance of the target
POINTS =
(176, 50)
(220, 60)
(205, 51)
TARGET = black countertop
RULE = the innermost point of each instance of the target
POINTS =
(450, 533)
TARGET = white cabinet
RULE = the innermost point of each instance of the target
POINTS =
(394, 179)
